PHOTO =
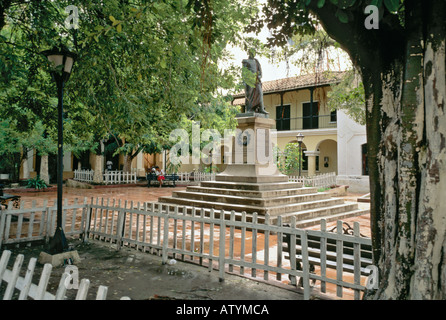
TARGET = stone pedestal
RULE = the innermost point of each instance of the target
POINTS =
(57, 260)
(252, 152)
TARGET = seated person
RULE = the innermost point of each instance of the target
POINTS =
(160, 175)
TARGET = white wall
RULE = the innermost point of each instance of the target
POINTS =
(351, 136)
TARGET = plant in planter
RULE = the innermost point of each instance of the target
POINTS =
(36, 183)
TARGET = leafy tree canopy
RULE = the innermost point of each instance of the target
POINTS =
(141, 67)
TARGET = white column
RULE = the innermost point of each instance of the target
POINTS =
(311, 162)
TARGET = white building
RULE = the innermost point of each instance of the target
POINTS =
(352, 154)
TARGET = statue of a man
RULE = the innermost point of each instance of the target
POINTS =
(254, 95)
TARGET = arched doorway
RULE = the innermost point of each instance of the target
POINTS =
(328, 156)
(288, 158)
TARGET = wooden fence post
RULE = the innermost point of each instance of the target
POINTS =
(279, 248)
(2, 227)
(292, 250)
(165, 237)
(43, 282)
(48, 224)
(305, 265)
(28, 279)
(339, 258)
(323, 250)
(102, 293)
(87, 218)
(211, 239)
(266, 248)
(15, 275)
(83, 289)
(221, 251)
(254, 244)
(120, 228)
(357, 259)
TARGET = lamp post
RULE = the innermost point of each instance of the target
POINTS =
(300, 138)
(62, 62)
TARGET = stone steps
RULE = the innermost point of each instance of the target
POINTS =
(340, 216)
(273, 211)
(309, 214)
(297, 207)
(251, 186)
(250, 201)
(285, 199)
(208, 205)
(304, 219)
(253, 193)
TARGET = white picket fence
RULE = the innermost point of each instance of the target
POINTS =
(196, 176)
(323, 180)
(225, 241)
(28, 289)
(109, 177)
(25, 225)
(117, 177)
(83, 175)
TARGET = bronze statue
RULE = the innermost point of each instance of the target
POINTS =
(254, 95)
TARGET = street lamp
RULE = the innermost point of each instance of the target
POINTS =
(62, 62)
(300, 138)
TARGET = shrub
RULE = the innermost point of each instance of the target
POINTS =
(36, 183)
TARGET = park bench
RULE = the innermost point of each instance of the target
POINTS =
(170, 178)
(314, 253)
(5, 198)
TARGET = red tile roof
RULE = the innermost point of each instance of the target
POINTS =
(294, 83)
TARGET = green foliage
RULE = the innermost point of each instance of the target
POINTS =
(313, 52)
(36, 183)
(289, 160)
(285, 19)
(142, 68)
(172, 168)
(28, 97)
(348, 95)
(215, 117)
(150, 65)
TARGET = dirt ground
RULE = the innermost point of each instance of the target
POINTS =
(142, 276)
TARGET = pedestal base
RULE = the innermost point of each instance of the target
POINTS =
(252, 160)
(252, 114)
(58, 260)
(251, 173)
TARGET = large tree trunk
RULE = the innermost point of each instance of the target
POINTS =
(44, 175)
(99, 165)
(406, 132)
(127, 163)
(403, 70)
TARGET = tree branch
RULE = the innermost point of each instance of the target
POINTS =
(364, 46)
